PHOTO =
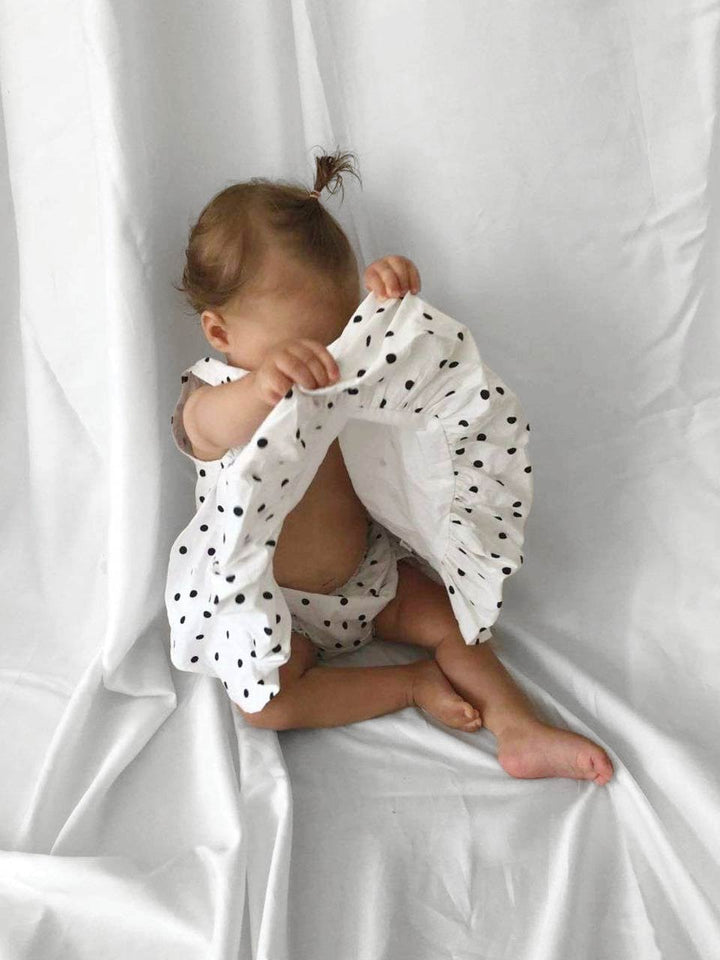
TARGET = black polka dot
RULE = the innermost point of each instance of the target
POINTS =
(502, 536)
(391, 357)
(267, 595)
(240, 598)
(461, 572)
(177, 596)
(463, 423)
(505, 570)
(481, 436)
(268, 630)
(326, 622)
(343, 601)
(182, 619)
(305, 601)
(193, 593)
(194, 659)
(289, 394)
(512, 449)
(207, 613)
(203, 527)
(221, 508)
(409, 384)
(477, 463)
(485, 394)
(453, 364)
(211, 551)
(182, 550)
(238, 511)
(357, 318)
(202, 473)
(460, 450)
(382, 403)
(360, 373)
(451, 589)
(460, 335)
(511, 419)
(499, 389)
(528, 469)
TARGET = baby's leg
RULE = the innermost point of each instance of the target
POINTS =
(326, 696)
(421, 614)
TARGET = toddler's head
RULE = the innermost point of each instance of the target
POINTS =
(266, 261)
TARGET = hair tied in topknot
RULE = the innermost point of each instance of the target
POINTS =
(329, 169)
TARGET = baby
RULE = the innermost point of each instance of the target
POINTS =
(274, 279)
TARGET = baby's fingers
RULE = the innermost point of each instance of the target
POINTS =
(325, 358)
(382, 280)
(405, 273)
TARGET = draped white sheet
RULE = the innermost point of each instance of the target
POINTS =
(553, 171)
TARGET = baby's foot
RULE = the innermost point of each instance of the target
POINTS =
(433, 692)
(536, 749)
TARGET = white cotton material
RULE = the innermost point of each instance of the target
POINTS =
(435, 444)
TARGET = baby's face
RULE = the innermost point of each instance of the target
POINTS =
(286, 301)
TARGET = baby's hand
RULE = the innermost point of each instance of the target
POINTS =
(392, 277)
(303, 361)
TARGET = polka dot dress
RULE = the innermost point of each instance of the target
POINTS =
(435, 446)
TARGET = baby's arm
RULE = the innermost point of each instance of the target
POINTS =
(216, 418)
(227, 415)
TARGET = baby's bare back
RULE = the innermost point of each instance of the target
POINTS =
(323, 539)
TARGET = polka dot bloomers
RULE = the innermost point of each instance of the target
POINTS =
(435, 446)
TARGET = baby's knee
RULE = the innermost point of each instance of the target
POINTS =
(278, 713)
(275, 715)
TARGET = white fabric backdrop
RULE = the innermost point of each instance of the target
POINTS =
(553, 171)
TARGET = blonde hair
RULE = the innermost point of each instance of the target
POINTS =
(226, 243)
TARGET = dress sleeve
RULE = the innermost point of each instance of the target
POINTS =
(189, 382)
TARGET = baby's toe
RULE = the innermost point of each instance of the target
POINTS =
(597, 766)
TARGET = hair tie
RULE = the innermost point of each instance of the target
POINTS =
(314, 193)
